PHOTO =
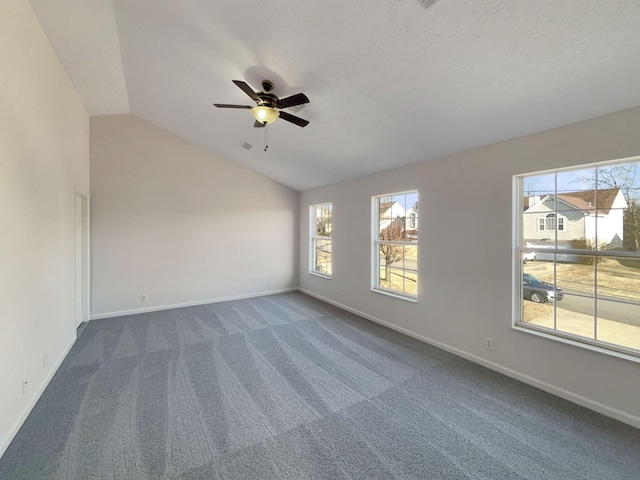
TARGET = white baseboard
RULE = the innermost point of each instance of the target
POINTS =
(122, 313)
(21, 419)
(547, 387)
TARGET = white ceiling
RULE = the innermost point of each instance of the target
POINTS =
(391, 83)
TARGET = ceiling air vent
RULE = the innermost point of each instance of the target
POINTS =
(297, 108)
(426, 3)
(246, 146)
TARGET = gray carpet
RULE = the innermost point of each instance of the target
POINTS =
(288, 387)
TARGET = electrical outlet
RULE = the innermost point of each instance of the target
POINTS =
(143, 297)
(269, 283)
(25, 384)
(45, 359)
(489, 343)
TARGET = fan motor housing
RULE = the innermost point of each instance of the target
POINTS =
(268, 99)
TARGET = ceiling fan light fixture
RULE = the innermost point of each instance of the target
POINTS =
(264, 114)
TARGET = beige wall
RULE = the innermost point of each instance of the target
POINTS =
(44, 155)
(465, 259)
(180, 224)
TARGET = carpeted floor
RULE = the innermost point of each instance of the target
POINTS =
(287, 387)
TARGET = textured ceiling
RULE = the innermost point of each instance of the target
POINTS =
(391, 83)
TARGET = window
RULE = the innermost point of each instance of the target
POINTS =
(579, 255)
(548, 222)
(321, 230)
(395, 244)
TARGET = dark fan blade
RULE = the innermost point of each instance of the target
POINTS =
(258, 124)
(247, 89)
(293, 100)
(293, 119)
(224, 105)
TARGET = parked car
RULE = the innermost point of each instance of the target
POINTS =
(538, 291)
(528, 256)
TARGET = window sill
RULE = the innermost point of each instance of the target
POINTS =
(574, 341)
(321, 275)
(390, 293)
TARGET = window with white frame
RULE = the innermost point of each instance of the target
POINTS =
(395, 244)
(413, 219)
(321, 231)
(581, 228)
(548, 222)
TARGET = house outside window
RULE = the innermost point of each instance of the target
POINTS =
(395, 244)
(321, 242)
(578, 255)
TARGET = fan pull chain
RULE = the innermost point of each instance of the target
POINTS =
(266, 137)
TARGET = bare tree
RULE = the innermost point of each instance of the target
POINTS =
(392, 253)
(323, 223)
(323, 245)
(623, 177)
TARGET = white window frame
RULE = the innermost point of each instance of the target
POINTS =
(376, 242)
(520, 250)
(315, 238)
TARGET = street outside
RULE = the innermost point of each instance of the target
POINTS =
(618, 302)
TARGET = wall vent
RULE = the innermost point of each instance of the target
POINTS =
(246, 146)
(426, 3)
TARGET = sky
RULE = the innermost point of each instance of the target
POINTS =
(584, 179)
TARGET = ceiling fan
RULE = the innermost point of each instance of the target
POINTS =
(268, 105)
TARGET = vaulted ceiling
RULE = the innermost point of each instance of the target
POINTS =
(391, 83)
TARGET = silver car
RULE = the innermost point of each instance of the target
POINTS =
(538, 291)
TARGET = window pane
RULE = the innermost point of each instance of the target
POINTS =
(538, 221)
(577, 182)
(536, 187)
(624, 176)
(618, 301)
(576, 204)
(323, 220)
(400, 202)
(550, 221)
(575, 311)
(619, 277)
(398, 268)
(390, 255)
(384, 212)
(618, 213)
(321, 217)
(536, 308)
(323, 256)
(610, 229)
(412, 217)
(534, 234)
